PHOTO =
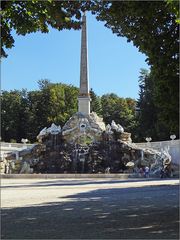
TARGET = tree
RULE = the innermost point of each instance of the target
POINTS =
(71, 103)
(118, 109)
(147, 114)
(109, 103)
(174, 7)
(132, 122)
(39, 108)
(24, 116)
(31, 16)
(24, 113)
(153, 29)
(95, 103)
(15, 115)
(53, 103)
(152, 26)
(63, 103)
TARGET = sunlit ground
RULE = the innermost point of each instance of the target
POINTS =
(89, 209)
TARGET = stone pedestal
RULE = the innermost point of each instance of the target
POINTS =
(84, 105)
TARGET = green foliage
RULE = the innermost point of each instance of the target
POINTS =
(24, 114)
(152, 27)
(147, 114)
(137, 20)
(121, 110)
(149, 24)
(151, 117)
(95, 103)
(31, 16)
(174, 7)
(11, 114)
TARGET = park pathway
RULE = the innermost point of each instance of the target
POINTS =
(89, 209)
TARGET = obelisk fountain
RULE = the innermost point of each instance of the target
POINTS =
(84, 96)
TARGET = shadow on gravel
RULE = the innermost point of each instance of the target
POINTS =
(78, 182)
(133, 213)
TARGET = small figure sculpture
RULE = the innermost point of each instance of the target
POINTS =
(108, 129)
(54, 129)
(117, 127)
(120, 128)
(114, 125)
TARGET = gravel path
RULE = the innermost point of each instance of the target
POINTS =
(89, 209)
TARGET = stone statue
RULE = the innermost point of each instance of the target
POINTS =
(108, 129)
(120, 128)
(53, 129)
(117, 127)
(114, 125)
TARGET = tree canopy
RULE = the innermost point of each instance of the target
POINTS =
(147, 112)
(152, 26)
(31, 16)
(121, 110)
(96, 105)
(25, 113)
(137, 20)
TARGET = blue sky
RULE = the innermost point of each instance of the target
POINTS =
(114, 64)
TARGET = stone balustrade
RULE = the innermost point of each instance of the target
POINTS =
(12, 147)
(174, 148)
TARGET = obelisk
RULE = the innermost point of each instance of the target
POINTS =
(84, 96)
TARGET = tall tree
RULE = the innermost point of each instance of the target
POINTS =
(14, 117)
(95, 103)
(147, 114)
(152, 27)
